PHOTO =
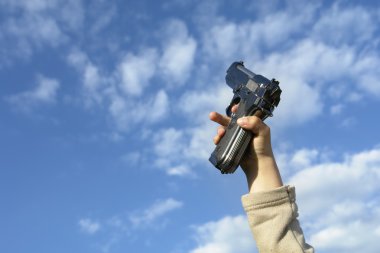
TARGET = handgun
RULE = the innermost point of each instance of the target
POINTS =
(255, 95)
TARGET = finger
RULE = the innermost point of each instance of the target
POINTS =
(219, 118)
(254, 124)
(220, 131)
(216, 139)
(234, 108)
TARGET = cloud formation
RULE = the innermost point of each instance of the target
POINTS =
(152, 213)
(339, 200)
(40, 24)
(44, 93)
(126, 226)
(89, 226)
(178, 55)
(137, 70)
(227, 235)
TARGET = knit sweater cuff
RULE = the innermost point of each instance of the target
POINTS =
(271, 198)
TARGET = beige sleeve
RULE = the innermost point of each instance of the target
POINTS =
(272, 216)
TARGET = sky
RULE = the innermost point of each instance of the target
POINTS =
(105, 136)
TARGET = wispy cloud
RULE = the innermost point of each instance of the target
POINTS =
(45, 92)
(227, 235)
(180, 170)
(303, 65)
(152, 213)
(89, 226)
(94, 81)
(127, 226)
(137, 70)
(311, 65)
(178, 55)
(38, 24)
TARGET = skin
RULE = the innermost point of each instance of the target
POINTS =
(258, 164)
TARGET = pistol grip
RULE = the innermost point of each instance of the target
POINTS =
(231, 148)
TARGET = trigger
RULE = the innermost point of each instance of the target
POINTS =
(228, 110)
(235, 101)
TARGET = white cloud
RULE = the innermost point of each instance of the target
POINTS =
(330, 180)
(354, 236)
(77, 59)
(72, 14)
(107, 12)
(30, 5)
(176, 151)
(169, 147)
(197, 137)
(126, 226)
(91, 77)
(339, 25)
(37, 24)
(304, 157)
(200, 142)
(132, 158)
(313, 72)
(148, 216)
(44, 93)
(339, 201)
(366, 73)
(306, 66)
(137, 70)
(178, 53)
(196, 104)
(35, 31)
(46, 90)
(159, 108)
(304, 70)
(336, 109)
(88, 226)
(181, 170)
(94, 82)
(168, 141)
(226, 40)
(227, 235)
(122, 99)
(128, 113)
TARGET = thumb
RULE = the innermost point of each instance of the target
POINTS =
(254, 124)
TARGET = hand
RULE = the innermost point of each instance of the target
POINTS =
(258, 162)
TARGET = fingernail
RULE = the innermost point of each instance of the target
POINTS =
(242, 121)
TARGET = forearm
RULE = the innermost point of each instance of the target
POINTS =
(262, 174)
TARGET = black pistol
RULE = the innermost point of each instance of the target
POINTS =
(256, 95)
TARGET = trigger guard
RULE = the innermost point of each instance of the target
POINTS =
(235, 100)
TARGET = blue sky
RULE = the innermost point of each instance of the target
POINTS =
(104, 128)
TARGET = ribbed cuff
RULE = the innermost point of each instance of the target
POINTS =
(271, 198)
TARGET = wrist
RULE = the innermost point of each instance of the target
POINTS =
(263, 175)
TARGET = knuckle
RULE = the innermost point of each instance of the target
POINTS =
(257, 125)
(254, 121)
(221, 131)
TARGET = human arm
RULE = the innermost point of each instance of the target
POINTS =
(271, 208)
